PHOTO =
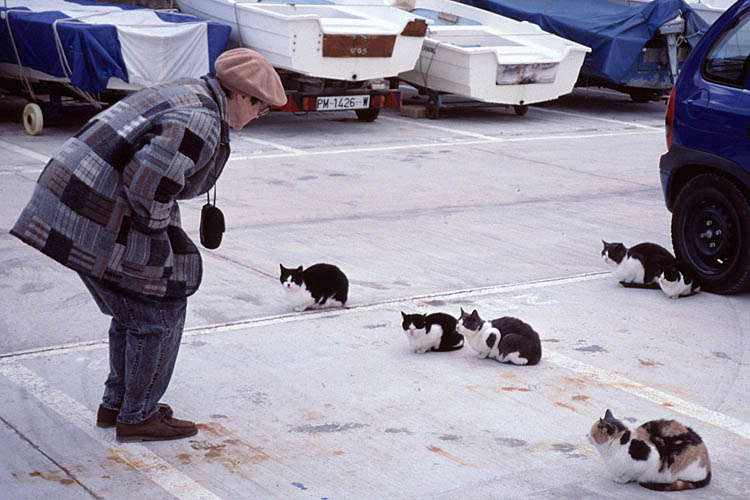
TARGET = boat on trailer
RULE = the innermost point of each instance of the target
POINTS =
(635, 49)
(490, 58)
(330, 57)
(62, 54)
(319, 38)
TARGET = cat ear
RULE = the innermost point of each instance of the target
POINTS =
(282, 266)
(299, 269)
(402, 314)
(608, 415)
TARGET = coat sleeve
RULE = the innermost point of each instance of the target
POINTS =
(178, 146)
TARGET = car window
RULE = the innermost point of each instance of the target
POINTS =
(727, 61)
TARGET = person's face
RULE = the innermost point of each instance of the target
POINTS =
(243, 109)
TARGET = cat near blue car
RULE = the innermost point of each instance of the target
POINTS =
(662, 455)
(648, 265)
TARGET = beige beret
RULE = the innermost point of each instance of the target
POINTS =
(247, 72)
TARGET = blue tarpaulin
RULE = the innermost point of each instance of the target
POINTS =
(615, 32)
(95, 49)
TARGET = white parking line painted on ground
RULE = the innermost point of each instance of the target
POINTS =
(305, 316)
(452, 295)
(269, 143)
(292, 152)
(711, 417)
(135, 455)
(418, 123)
(468, 142)
(608, 120)
(34, 171)
(24, 151)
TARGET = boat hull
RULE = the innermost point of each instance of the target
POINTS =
(321, 40)
(490, 58)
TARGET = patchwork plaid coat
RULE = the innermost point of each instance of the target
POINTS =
(105, 205)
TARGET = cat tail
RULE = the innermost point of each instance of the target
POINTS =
(678, 485)
(453, 346)
(650, 286)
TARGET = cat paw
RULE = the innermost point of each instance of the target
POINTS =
(300, 308)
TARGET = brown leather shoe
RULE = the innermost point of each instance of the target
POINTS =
(106, 418)
(157, 428)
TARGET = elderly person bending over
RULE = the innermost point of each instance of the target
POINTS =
(106, 207)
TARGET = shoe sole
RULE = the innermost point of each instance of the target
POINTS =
(136, 438)
(105, 425)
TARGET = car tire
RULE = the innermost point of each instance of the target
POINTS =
(711, 232)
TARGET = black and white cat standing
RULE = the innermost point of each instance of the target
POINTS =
(660, 455)
(431, 332)
(639, 266)
(506, 339)
(317, 287)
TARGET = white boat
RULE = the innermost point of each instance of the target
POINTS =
(487, 57)
(320, 39)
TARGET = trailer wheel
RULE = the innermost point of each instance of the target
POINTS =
(33, 119)
(367, 115)
(521, 109)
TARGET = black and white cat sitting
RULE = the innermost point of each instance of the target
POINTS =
(317, 287)
(506, 339)
(639, 266)
(678, 280)
(660, 455)
(431, 332)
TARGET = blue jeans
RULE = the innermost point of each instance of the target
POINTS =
(144, 338)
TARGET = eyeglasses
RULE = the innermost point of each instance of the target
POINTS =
(263, 110)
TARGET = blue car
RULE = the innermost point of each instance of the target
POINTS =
(705, 174)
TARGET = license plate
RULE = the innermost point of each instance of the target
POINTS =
(329, 103)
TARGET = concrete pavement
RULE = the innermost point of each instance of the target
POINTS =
(477, 209)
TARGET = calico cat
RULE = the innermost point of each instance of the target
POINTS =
(317, 287)
(639, 266)
(678, 280)
(660, 455)
(436, 332)
(507, 339)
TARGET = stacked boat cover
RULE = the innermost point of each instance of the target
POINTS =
(616, 33)
(89, 42)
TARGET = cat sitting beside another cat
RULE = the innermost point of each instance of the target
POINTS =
(648, 265)
(317, 287)
(660, 455)
(431, 332)
(506, 339)
(677, 280)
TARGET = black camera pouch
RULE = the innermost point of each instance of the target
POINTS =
(212, 225)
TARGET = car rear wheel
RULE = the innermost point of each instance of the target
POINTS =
(711, 232)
